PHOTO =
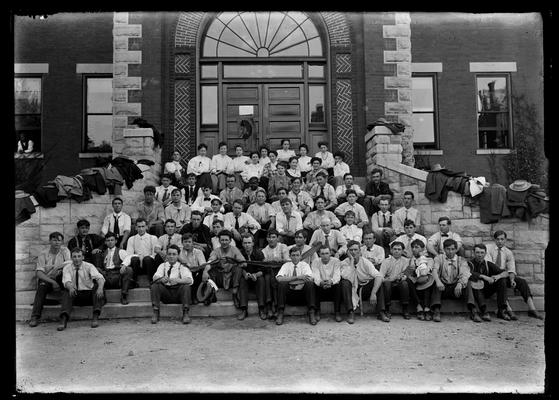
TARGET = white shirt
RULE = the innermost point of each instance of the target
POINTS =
(435, 242)
(340, 169)
(308, 259)
(335, 239)
(237, 164)
(198, 165)
(322, 272)
(507, 257)
(244, 219)
(164, 241)
(352, 232)
(302, 269)
(124, 223)
(172, 167)
(399, 217)
(285, 155)
(291, 224)
(201, 203)
(261, 213)
(220, 163)
(327, 159)
(358, 209)
(278, 253)
(301, 200)
(406, 240)
(181, 215)
(142, 246)
(160, 192)
(251, 170)
(375, 255)
(305, 163)
(209, 219)
(377, 220)
(342, 189)
(264, 160)
(178, 271)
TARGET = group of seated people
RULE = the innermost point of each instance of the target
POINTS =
(300, 241)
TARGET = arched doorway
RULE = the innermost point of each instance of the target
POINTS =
(263, 77)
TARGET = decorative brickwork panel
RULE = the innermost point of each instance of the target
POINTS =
(187, 28)
(343, 63)
(338, 28)
(183, 118)
(344, 117)
(183, 63)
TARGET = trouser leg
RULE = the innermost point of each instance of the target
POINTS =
(346, 294)
(43, 288)
(283, 287)
(386, 288)
(414, 299)
(148, 265)
(182, 296)
(310, 294)
(471, 295)
(155, 292)
(126, 278)
(260, 285)
(521, 286)
(404, 291)
(136, 267)
(158, 260)
(197, 277)
(67, 303)
(242, 292)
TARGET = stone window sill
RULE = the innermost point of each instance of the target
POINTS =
(94, 155)
(493, 151)
(433, 152)
(28, 155)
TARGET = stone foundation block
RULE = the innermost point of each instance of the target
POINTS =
(127, 109)
(397, 56)
(395, 31)
(381, 139)
(397, 82)
(531, 239)
(452, 214)
(46, 229)
(528, 256)
(539, 278)
(404, 95)
(120, 43)
(397, 108)
(537, 289)
(26, 280)
(524, 269)
(27, 233)
(403, 43)
(91, 212)
(56, 215)
(403, 69)
(128, 30)
(128, 83)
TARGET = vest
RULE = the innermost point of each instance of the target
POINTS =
(388, 223)
(116, 259)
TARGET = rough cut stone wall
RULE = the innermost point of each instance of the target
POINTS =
(528, 240)
(398, 85)
(127, 85)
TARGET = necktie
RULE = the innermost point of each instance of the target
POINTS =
(108, 259)
(383, 220)
(321, 191)
(498, 261)
(169, 270)
(165, 195)
(406, 215)
(327, 243)
(116, 229)
(236, 222)
(294, 270)
(168, 242)
(77, 279)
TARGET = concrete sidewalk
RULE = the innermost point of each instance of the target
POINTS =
(226, 355)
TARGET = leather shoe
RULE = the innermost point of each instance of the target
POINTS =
(421, 315)
(317, 315)
(512, 315)
(270, 314)
(428, 315)
(338, 317)
(485, 316)
(155, 317)
(242, 315)
(350, 317)
(503, 315)
(534, 314)
(383, 317)
(279, 319)
(95, 321)
(124, 299)
(63, 323)
(312, 318)
(475, 316)
(185, 317)
(262, 313)
(34, 322)
(437, 315)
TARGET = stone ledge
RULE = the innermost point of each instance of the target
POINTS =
(138, 132)
(404, 169)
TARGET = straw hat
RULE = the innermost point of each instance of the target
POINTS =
(520, 185)
(424, 281)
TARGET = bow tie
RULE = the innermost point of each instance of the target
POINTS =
(444, 234)
(207, 198)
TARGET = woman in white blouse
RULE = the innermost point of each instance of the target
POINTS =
(304, 160)
(174, 168)
(237, 166)
(285, 153)
(293, 171)
(252, 169)
(264, 159)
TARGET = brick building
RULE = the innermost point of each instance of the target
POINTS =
(457, 81)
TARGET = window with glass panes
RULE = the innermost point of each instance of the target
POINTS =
(424, 117)
(493, 111)
(27, 110)
(98, 123)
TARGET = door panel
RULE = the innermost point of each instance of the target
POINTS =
(236, 96)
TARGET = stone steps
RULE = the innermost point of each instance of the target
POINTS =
(140, 308)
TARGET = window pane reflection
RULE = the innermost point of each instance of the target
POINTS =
(263, 71)
(209, 105)
(99, 95)
(316, 103)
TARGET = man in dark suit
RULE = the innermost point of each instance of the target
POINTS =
(90, 243)
(373, 191)
(190, 189)
(201, 234)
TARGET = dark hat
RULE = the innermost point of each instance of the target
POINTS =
(437, 167)
(253, 179)
(149, 188)
(424, 281)
(520, 185)
(205, 291)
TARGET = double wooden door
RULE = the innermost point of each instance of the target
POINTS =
(263, 114)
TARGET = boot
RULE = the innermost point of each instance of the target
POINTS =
(279, 319)
(155, 316)
(312, 318)
(338, 316)
(63, 322)
(350, 317)
(243, 314)
(405, 312)
(437, 315)
(475, 316)
(503, 315)
(317, 314)
(185, 316)
(270, 313)
(512, 315)
(124, 299)
(34, 322)
(534, 314)
(262, 313)
(383, 317)
(95, 320)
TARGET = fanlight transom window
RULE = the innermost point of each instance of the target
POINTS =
(262, 34)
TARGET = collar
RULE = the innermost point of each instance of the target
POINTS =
(455, 258)
(117, 215)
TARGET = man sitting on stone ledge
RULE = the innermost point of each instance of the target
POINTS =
(116, 274)
(504, 259)
(406, 212)
(152, 211)
(373, 191)
(118, 222)
(49, 273)
(435, 242)
(90, 243)
(142, 247)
